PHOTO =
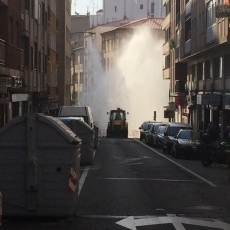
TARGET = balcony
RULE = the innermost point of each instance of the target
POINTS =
(177, 50)
(2, 52)
(166, 48)
(166, 73)
(218, 84)
(177, 19)
(194, 86)
(188, 8)
(166, 22)
(3, 3)
(227, 83)
(201, 85)
(208, 84)
(164, 2)
(211, 34)
(187, 47)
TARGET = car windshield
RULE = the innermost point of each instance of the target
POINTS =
(185, 134)
(174, 130)
(117, 116)
(156, 127)
(149, 126)
(161, 129)
(145, 125)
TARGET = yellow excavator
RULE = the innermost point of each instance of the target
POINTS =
(117, 125)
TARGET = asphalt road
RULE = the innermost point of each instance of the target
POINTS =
(133, 186)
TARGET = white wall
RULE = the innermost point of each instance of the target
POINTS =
(131, 10)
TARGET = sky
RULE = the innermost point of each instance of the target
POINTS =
(81, 6)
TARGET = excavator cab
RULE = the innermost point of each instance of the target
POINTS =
(117, 125)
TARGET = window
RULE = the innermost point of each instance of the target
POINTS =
(36, 11)
(188, 29)
(31, 58)
(152, 8)
(200, 71)
(141, 6)
(177, 38)
(115, 8)
(81, 77)
(194, 72)
(211, 15)
(207, 71)
(216, 67)
(35, 55)
(81, 58)
(11, 31)
(226, 65)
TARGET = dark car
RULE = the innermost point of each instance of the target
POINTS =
(152, 132)
(143, 128)
(153, 127)
(171, 130)
(186, 144)
(158, 137)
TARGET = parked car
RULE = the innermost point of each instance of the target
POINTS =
(147, 131)
(158, 138)
(143, 128)
(152, 132)
(186, 144)
(171, 130)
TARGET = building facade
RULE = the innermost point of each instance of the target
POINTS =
(64, 52)
(132, 9)
(197, 58)
(79, 23)
(29, 57)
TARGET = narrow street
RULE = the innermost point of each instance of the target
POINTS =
(132, 186)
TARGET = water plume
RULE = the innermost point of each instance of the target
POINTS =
(135, 83)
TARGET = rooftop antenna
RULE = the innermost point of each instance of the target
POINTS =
(125, 17)
(148, 14)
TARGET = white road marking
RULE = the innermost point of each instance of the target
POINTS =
(84, 175)
(144, 179)
(115, 217)
(181, 166)
(82, 179)
(132, 223)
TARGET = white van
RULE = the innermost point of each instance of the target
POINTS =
(77, 111)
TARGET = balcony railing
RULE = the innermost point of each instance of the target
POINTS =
(188, 8)
(177, 18)
(2, 52)
(177, 52)
(211, 33)
(187, 46)
(166, 73)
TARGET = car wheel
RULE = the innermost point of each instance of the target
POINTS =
(172, 152)
(168, 150)
(176, 154)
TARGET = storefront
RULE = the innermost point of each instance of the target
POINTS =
(211, 108)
